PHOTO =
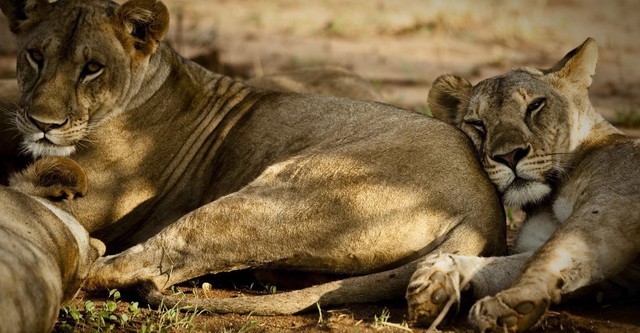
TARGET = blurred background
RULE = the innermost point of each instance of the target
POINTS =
(403, 45)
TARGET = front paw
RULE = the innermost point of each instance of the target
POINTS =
(432, 289)
(512, 310)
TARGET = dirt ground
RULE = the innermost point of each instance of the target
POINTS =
(401, 46)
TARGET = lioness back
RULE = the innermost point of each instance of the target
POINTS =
(328, 80)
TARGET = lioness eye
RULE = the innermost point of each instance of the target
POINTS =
(478, 125)
(35, 58)
(536, 105)
(91, 70)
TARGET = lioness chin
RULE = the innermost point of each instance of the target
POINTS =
(547, 150)
(46, 253)
(194, 173)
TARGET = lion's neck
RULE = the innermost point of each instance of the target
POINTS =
(154, 78)
(169, 133)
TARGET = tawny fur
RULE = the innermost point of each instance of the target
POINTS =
(194, 173)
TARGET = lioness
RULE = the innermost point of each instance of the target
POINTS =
(46, 253)
(547, 150)
(194, 173)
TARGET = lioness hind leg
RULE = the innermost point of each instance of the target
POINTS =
(440, 278)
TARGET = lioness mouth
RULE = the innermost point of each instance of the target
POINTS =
(45, 141)
(519, 183)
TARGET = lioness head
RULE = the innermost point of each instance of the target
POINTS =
(523, 123)
(71, 80)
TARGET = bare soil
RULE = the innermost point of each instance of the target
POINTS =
(401, 46)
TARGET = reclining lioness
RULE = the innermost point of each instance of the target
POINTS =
(194, 173)
(547, 150)
(45, 253)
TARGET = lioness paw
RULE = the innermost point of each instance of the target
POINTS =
(433, 288)
(512, 310)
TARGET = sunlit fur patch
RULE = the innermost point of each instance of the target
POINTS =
(530, 193)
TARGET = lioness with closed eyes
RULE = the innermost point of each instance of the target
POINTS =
(547, 150)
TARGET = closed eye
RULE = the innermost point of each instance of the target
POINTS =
(478, 125)
(35, 58)
(536, 105)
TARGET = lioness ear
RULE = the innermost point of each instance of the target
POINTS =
(146, 22)
(448, 98)
(20, 11)
(55, 178)
(579, 65)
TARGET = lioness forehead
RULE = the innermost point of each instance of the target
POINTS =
(518, 84)
(68, 15)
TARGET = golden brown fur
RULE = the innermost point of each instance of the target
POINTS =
(46, 253)
(546, 149)
(194, 173)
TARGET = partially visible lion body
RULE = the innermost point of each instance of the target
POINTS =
(195, 173)
(46, 253)
(325, 80)
(547, 150)
(10, 158)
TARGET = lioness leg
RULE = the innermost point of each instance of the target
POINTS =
(441, 277)
(573, 258)
(350, 290)
(231, 233)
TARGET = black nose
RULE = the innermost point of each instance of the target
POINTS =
(47, 126)
(512, 158)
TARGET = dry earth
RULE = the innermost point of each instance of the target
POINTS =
(401, 46)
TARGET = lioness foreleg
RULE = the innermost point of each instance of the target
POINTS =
(441, 277)
(571, 259)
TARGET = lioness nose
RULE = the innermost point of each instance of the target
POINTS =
(46, 126)
(512, 158)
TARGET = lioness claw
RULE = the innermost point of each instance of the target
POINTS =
(432, 286)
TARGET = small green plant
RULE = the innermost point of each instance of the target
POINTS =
(167, 319)
(382, 321)
(425, 110)
(271, 289)
(97, 318)
(511, 220)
